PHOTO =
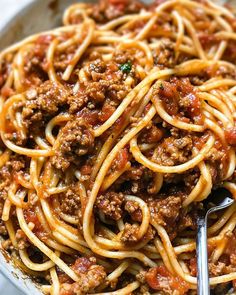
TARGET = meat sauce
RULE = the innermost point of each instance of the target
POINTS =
(120, 160)
(179, 96)
(87, 104)
(90, 276)
(230, 135)
(159, 278)
(38, 230)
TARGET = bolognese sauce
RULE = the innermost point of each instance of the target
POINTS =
(114, 129)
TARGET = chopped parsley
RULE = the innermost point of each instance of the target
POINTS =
(126, 68)
(161, 86)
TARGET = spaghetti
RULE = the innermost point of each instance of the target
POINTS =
(114, 128)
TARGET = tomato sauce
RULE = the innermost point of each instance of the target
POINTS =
(38, 230)
(159, 278)
(230, 136)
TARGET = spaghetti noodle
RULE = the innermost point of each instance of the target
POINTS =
(114, 128)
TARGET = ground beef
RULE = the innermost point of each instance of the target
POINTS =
(90, 276)
(106, 82)
(123, 56)
(107, 10)
(21, 239)
(43, 103)
(151, 134)
(78, 100)
(179, 97)
(36, 71)
(164, 55)
(136, 180)
(165, 211)
(215, 155)
(160, 279)
(76, 139)
(135, 172)
(174, 151)
(98, 91)
(110, 204)
(187, 221)
(216, 269)
(15, 164)
(35, 63)
(225, 264)
(5, 181)
(190, 178)
(16, 137)
(127, 58)
(70, 201)
(62, 58)
(98, 65)
(131, 207)
(141, 276)
(217, 161)
(130, 234)
(134, 211)
(233, 259)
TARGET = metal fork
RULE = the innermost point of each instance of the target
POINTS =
(221, 201)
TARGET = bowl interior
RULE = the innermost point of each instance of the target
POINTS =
(38, 16)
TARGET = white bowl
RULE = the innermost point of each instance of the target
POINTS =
(37, 16)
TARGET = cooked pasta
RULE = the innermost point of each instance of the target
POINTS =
(114, 129)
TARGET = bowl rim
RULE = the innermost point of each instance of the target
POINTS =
(6, 271)
(13, 280)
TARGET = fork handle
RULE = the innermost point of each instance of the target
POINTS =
(202, 258)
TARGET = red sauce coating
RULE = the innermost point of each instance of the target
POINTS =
(179, 96)
(42, 42)
(106, 112)
(38, 230)
(230, 135)
(90, 117)
(109, 76)
(169, 96)
(121, 159)
(159, 278)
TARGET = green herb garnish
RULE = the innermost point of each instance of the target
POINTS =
(126, 68)
(161, 86)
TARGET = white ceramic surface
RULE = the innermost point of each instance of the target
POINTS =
(20, 18)
(9, 9)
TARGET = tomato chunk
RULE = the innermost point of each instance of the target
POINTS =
(159, 278)
(121, 159)
(230, 135)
